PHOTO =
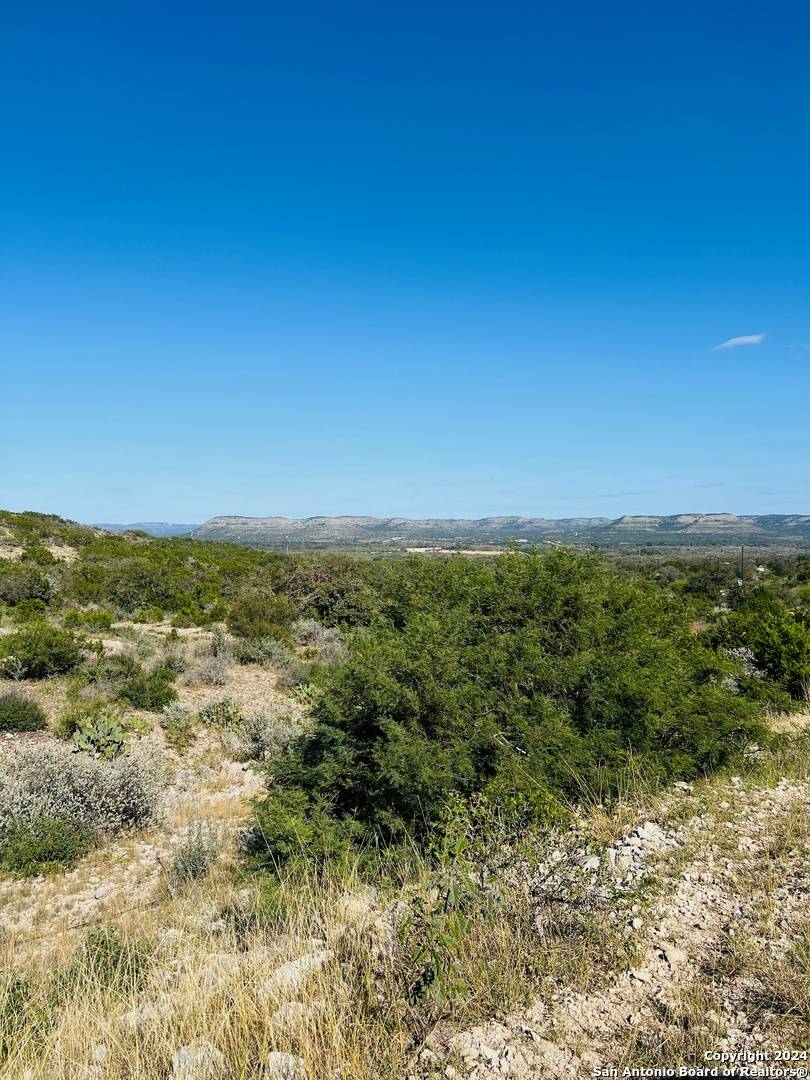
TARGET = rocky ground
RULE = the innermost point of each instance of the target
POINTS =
(723, 947)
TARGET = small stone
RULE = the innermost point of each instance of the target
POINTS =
(198, 1061)
(293, 1016)
(281, 1066)
(637, 923)
(219, 971)
(102, 891)
(290, 977)
(641, 975)
(672, 955)
(100, 1053)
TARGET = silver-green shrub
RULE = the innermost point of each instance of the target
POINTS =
(49, 781)
(212, 671)
(325, 641)
(194, 857)
(225, 713)
(264, 734)
(178, 723)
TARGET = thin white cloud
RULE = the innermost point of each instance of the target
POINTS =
(746, 339)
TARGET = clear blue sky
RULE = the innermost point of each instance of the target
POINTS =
(420, 259)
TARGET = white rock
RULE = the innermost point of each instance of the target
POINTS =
(291, 976)
(281, 1066)
(198, 1061)
(219, 971)
(672, 955)
(168, 938)
(100, 1053)
(292, 1016)
(135, 1019)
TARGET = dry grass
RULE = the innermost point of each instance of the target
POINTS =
(213, 979)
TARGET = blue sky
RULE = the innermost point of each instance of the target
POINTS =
(418, 259)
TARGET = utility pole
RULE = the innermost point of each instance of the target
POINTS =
(742, 562)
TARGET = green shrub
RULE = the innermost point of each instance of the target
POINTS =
(194, 857)
(28, 610)
(778, 641)
(529, 680)
(291, 669)
(111, 672)
(178, 723)
(259, 612)
(105, 959)
(39, 554)
(221, 646)
(225, 713)
(39, 650)
(100, 733)
(191, 614)
(19, 583)
(96, 619)
(258, 650)
(150, 691)
(20, 713)
(43, 846)
(336, 589)
(148, 615)
(18, 1011)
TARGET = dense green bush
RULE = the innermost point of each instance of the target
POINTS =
(20, 713)
(150, 690)
(39, 650)
(778, 641)
(19, 583)
(527, 680)
(111, 672)
(28, 611)
(259, 612)
(95, 619)
(336, 589)
(43, 846)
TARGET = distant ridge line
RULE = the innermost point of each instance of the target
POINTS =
(359, 529)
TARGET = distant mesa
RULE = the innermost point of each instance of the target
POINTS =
(676, 529)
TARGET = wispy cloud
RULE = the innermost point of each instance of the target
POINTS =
(735, 342)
